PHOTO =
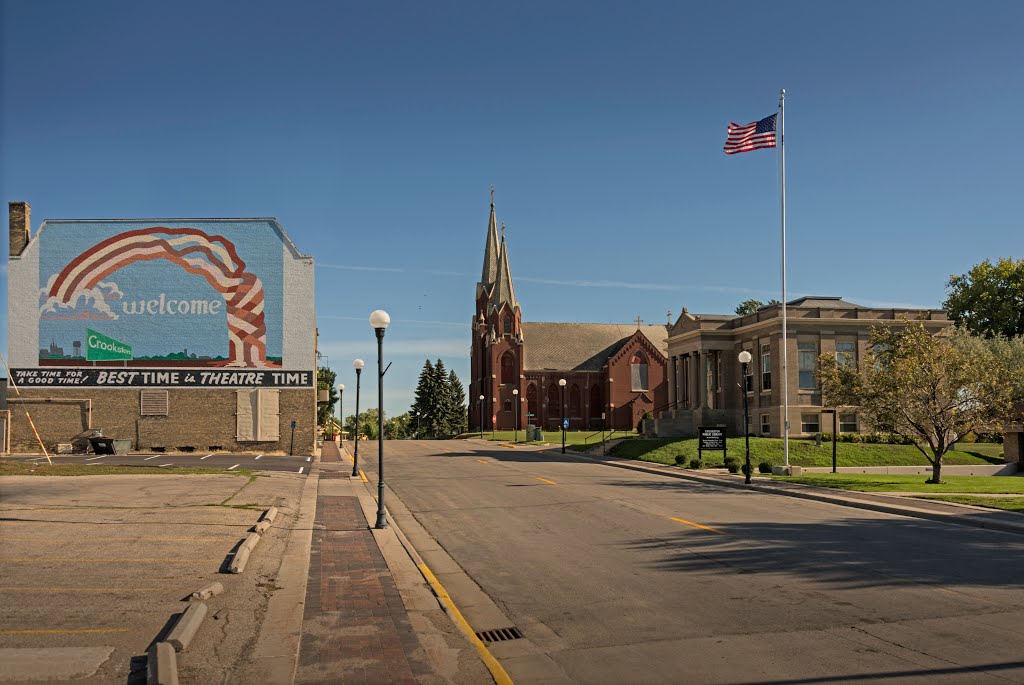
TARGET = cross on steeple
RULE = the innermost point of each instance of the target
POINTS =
(668, 315)
(638, 322)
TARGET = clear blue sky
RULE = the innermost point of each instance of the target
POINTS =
(373, 132)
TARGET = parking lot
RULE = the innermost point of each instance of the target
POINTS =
(95, 568)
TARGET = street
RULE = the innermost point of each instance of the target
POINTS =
(615, 576)
(222, 460)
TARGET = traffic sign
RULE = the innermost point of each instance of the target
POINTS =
(494, 419)
(565, 424)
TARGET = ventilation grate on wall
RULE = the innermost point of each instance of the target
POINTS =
(154, 403)
(500, 634)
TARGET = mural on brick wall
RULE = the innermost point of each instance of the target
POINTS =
(207, 294)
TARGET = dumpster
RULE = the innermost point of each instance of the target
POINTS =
(102, 445)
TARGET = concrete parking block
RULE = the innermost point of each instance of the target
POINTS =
(239, 561)
(262, 527)
(185, 629)
(161, 665)
(269, 514)
(208, 591)
(251, 540)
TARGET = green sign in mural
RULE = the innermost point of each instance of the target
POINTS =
(99, 347)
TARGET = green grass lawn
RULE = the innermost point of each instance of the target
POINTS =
(1005, 503)
(870, 482)
(21, 468)
(804, 452)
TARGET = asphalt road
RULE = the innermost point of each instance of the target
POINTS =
(615, 576)
(255, 461)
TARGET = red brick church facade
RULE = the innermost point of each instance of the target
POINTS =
(614, 373)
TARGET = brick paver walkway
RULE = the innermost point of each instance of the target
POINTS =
(355, 626)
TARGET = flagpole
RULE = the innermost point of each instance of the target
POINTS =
(785, 339)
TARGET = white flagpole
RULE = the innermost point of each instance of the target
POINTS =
(785, 339)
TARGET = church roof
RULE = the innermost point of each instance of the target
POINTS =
(824, 302)
(581, 346)
(490, 270)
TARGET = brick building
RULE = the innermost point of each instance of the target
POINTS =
(171, 334)
(704, 374)
(614, 373)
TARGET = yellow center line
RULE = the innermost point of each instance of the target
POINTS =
(63, 632)
(697, 525)
(483, 461)
(546, 480)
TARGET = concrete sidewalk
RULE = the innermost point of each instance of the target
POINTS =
(369, 615)
(961, 514)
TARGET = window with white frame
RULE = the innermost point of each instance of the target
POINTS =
(847, 423)
(810, 423)
(766, 424)
(766, 367)
(807, 351)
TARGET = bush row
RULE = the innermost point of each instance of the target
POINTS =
(733, 464)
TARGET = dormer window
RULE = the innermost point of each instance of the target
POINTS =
(508, 325)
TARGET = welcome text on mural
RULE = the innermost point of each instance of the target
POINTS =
(171, 306)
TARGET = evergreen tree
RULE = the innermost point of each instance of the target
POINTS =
(425, 400)
(440, 419)
(459, 419)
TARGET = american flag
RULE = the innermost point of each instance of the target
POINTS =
(752, 136)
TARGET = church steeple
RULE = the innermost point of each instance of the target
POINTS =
(490, 270)
(503, 292)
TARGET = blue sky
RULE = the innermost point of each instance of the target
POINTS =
(373, 131)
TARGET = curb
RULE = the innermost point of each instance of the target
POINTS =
(185, 629)
(161, 665)
(811, 492)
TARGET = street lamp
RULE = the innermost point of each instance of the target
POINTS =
(481, 417)
(744, 360)
(379, 320)
(515, 408)
(358, 365)
(561, 384)
(341, 417)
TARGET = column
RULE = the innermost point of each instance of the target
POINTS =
(698, 381)
(671, 383)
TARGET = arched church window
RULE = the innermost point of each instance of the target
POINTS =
(574, 401)
(508, 405)
(508, 368)
(596, 401)
(531, 402)
(638, 371)
(554, 403)
(508, 325)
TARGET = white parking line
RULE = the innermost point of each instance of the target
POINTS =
(206, 457)
(234, 467)
(153, 457)
(163, 465)
(104, 456)
(259, 456)
(300, 468)
(309, 458)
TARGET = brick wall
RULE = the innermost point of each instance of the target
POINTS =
(196, 418)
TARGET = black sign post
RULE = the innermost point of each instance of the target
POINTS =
(711, 439)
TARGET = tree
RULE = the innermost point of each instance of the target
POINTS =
(367, 424)
(425, 402)
(440, 421)
(399, 427)
(750, 306)
(458, 420)
(931, 390)
(989, 299)
(325, 381)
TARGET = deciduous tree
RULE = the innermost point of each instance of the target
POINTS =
(750, 306)
(989, 299)
(932, 390)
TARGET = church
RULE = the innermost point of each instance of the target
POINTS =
(614, 374)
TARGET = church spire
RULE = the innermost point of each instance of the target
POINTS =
(490, 271)
(503, 292)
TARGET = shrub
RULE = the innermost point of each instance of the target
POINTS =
(733, 464)
(695, 463)
(765, 467)
(680, 460)
(744, 469)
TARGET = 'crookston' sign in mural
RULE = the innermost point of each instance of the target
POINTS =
(112, 377)
(206, 294)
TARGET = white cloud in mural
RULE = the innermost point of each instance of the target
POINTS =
(88, 305)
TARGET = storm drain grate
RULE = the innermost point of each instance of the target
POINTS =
(500, 634)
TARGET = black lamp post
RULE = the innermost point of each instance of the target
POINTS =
(561, 384)
(481, 417)
(515, 409)
(379, 320)
(358, 365)
(341, 417)
(744, 360)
